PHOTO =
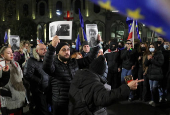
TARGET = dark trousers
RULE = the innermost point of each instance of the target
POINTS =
(41, 105)
(146, 89)
(113, 79)
(59, 109)
(140, 87)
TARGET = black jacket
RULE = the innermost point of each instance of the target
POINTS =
(113, 61)
(3, 81)
(35, 74)
(62, 74)
(128, 58)
(92, 88)
(155, 66)
(85, 54)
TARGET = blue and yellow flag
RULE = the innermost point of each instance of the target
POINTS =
(82, 25)
(155, 14)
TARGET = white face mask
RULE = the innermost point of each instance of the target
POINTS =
(166, 46)
(73, 46)
(151, 49)
(25, 49)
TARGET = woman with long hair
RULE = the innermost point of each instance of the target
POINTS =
(14, 99)
(154, 62)
(142, 71)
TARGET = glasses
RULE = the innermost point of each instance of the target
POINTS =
(128, 43)
(64, 50)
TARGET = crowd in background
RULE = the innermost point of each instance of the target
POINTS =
(45, 76)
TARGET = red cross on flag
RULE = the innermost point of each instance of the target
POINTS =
(68, 15)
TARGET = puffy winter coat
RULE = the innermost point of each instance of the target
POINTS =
(35, 74)
(62, 74)
(155, 66)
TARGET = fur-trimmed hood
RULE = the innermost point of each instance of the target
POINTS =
(35, 54)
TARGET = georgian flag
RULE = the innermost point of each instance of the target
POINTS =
(131, 33)
(68, 15)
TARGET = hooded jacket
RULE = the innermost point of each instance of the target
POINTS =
(35, 74)
(90, 86)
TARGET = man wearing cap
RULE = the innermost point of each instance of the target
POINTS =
(62, 69)
(86, 49)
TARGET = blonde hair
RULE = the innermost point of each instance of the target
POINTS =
(22, 45)
(2, 50)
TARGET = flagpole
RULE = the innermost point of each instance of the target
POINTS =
(133, 33)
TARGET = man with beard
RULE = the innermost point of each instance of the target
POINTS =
(38, 79)
(62, 69)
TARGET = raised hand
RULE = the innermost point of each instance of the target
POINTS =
(134, 84)
(55, 41)
(6, 68)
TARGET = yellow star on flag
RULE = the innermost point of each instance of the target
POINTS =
(135, 14)
(107, 5)
(158, 30)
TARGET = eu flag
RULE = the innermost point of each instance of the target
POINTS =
(129, 22)
(5, 37)
(82, 24)
(137, 31)
(78, 43)
(145, 11)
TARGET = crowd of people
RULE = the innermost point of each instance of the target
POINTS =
(55, 78)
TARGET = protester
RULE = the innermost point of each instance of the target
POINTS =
(62, 69)
(73, 48)
(13, 99)
(38, 79)
(144, 92)
(89, 96)
(26, 50)
(86, 49)
(114, 65)
(19, 57)
(154, 62)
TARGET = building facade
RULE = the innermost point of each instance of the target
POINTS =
(110, 23)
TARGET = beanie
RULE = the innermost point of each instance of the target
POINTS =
(98, 65)
(59, 46)
(85, 43)
(113, 43)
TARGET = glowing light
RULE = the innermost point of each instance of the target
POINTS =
(115, 11)
(50, 15)
(58, 12)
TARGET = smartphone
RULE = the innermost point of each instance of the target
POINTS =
(2, 63)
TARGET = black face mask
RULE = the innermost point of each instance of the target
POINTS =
(119, 46)
(159, 42)
(113, 48)
(143, 49)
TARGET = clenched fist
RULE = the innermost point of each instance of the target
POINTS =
(55, 41)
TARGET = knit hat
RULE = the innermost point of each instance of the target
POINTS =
(59, 46)
(98, 65)
(113, 43)
(85, 43)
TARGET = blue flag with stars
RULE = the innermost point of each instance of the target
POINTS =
(137, 31)
(82, 24)
(145, 11)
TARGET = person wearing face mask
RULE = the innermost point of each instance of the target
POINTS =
(114, 65)
(26, 50)
(73, 48)
(162, 84)
(143, 90)
(154, 61)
